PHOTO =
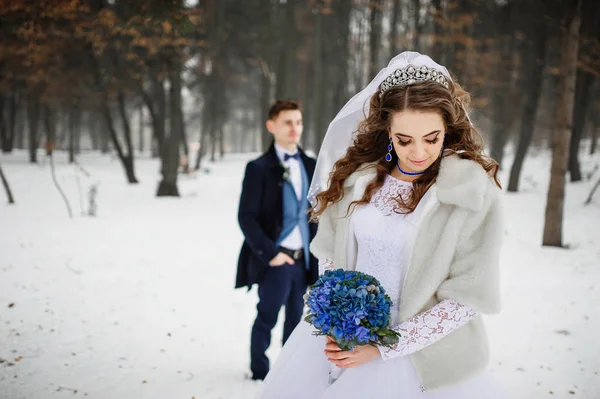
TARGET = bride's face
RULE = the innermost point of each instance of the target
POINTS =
(417, 138)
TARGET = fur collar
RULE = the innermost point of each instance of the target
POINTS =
(460, 182)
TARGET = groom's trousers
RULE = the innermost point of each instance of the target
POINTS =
(280, 286)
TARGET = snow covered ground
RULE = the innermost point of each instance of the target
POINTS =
(138, 301)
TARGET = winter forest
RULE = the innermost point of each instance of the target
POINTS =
(125, 127)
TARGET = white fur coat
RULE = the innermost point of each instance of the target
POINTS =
(456, 256)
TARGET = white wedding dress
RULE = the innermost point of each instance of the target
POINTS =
(384, 240)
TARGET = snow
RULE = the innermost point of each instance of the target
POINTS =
(138, 302)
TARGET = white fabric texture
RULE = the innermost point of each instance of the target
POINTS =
(384, 244)
(294, 239)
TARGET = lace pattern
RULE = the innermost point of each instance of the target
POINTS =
(392, 188)
(428, 327)
(325, 264)
(384, 237)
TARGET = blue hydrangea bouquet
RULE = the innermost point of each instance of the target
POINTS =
(352, 308)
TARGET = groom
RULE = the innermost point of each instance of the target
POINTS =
(273, 217)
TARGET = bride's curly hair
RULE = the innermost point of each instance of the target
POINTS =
(372, 138)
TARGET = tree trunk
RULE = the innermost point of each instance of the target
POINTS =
(74, 132)
(533, 77)
(33, 114)
(221, 143)
(78, 131)
(72, 137)
(184, 142)
(141, 133)
(265, 100)
(394, 23)
(213, 144)
(7, 125)
(590, 21)
(266, 84)
(203, 143)
(21, 122)
(105, 140)
(286, 66)
(3, 127)
(416, 9)
(50, 127)
(318, 71)
(501, 85)
(61, 133)
(340, 94)
(158, 114)
(594, 138)
(92, 125)
(127, 133)
(438, 17)
(126, 161)
(582, 90)
(11, 199)
(564, 114)
(170, 157)
(375, 7)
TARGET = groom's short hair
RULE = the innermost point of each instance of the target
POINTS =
(283, 105)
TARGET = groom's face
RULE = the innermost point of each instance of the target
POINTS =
(286, 127)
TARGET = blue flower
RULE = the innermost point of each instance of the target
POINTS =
(352, 307)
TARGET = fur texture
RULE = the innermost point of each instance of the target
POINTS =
(456, 256)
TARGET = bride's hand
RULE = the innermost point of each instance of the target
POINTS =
(347, 359)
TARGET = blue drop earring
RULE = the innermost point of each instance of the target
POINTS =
(388, 156)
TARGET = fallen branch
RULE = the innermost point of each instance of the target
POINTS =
(79, 190)
(589, 199)
(80, 167)
(64, 197)
(66, 389)
(11, 199)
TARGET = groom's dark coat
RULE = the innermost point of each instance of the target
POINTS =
(261, 216)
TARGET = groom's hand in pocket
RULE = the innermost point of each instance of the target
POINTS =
(348, 359)
(281, 259)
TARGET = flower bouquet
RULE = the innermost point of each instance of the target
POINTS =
(352, 308)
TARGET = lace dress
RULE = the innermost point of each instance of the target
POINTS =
(384, 240)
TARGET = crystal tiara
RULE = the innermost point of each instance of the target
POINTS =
(411, 74)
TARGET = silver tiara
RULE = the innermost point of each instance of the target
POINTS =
(411, 74)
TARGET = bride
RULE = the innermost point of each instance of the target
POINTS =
(405, 194)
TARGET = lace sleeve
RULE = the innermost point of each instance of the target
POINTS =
(324, 265)
(428, 327)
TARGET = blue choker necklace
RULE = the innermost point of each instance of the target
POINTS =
(408, 173)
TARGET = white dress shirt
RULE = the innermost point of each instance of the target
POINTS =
(294, 239)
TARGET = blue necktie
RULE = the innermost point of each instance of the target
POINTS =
(296, 156)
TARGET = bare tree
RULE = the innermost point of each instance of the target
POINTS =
(595, 119)
(376, 10)
(170, 154)
(590, 20)
(33, 114)
(534, 51)
(503, 86)
(562, 129)
(395, 23)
